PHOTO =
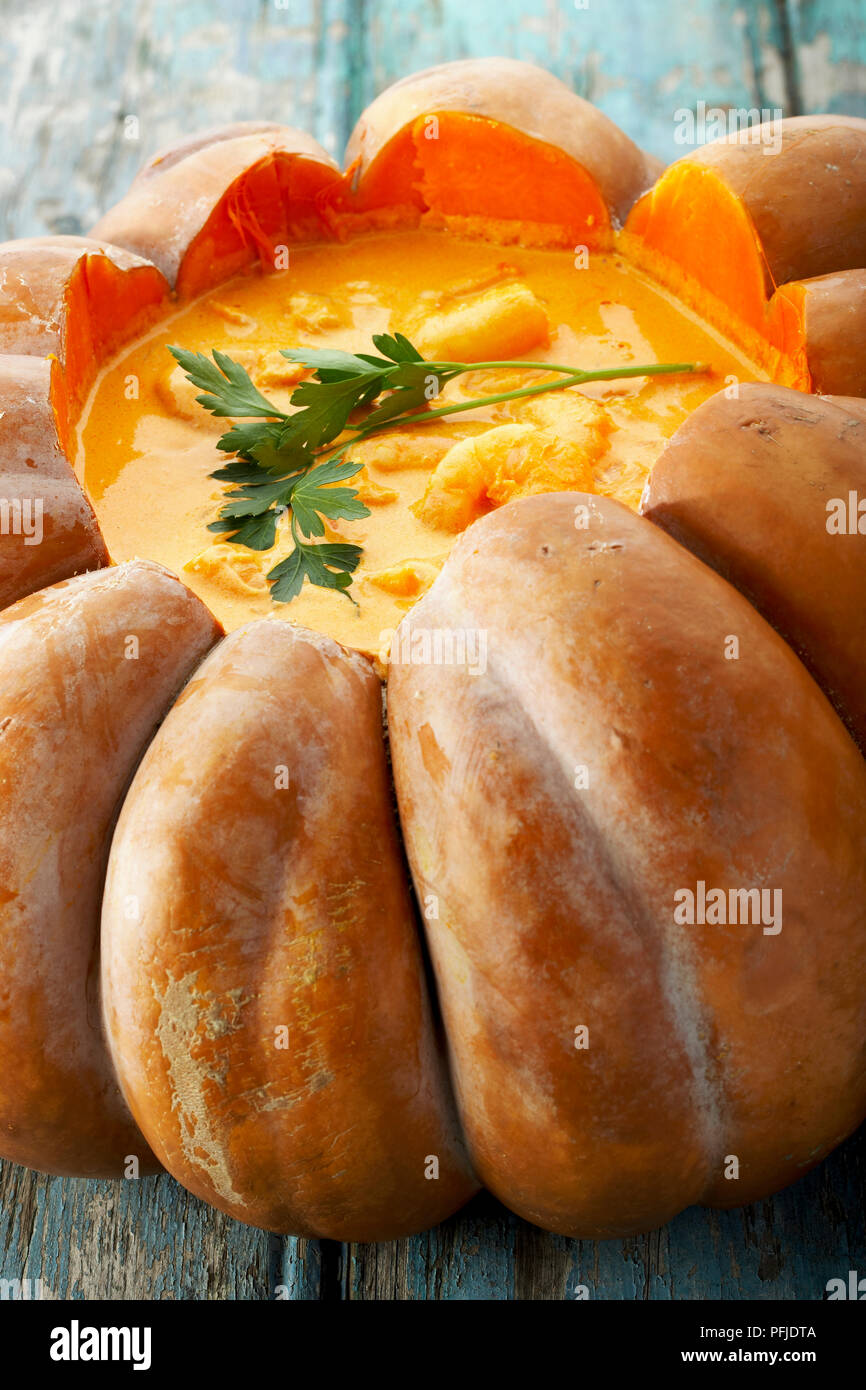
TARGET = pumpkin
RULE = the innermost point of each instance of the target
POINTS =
(786, 273)
(797, 460)
(569, 920)
(608, 1058)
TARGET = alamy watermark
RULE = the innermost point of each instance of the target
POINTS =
(721, 907)
(18, 1289)
(851, 1288)
(436, 646)
(705, 123)
(846, 516)
(22, 516)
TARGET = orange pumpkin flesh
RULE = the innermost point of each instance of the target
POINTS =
(680, 218)
(786, 202)
(103, 305)
(201, 213)
(536, 183)
(523, 128)
(632, 1132)
(823, 319)
(59, 300)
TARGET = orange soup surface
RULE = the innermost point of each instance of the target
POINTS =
(146, 449)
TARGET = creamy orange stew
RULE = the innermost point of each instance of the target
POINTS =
(145, 449)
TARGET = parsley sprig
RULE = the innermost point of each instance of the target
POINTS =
(289, 463)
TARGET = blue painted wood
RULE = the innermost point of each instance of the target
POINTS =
(304, 1270)
(829, 54)
(87, 92)
(147, 1238)
(639, 62)
(471, 1257)
(784, 1248)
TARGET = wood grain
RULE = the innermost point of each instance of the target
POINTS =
(784, 1248)
(86, 93)
(640, 63)
(828, 42)
(148, 1238)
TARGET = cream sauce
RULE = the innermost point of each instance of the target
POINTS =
(145, 449)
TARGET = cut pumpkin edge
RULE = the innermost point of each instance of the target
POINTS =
(426, 175)
(671, 233)
(285, 198)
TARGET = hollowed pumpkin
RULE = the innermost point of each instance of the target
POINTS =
(587, 722)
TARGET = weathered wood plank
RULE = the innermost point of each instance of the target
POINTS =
(638, 62)
(87, 92)
(305, 1270)
(468, 1257)
(785, 1248)
(829, 46)
(128, 1240)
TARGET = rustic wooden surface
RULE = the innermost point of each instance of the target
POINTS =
(86, 93)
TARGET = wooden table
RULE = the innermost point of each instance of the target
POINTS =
(87, 92)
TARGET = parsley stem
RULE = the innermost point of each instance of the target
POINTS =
(605, 374)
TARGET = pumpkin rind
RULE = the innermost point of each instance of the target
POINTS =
(267, 1005)
(35, 273)
(832, 311)
(204, 208)
(746, 215)
(87, 669)
(745, 485)
(503, 92)
(39, 489)
(556, 897)
(801, 236)
(70, 299)
(76, 299)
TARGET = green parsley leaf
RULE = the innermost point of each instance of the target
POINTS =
(400, 402)
(228, 387)
(256, 533)
(397, 348)
(242, 470)
(329, 364)
(314, 496)
(328, 566)
(327, 407)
